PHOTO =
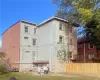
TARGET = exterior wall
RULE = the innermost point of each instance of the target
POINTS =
(20, 51)
(74, 40)
(26, 57)
(11, 43)
(48, 38)
(46, 42)
(87, 51)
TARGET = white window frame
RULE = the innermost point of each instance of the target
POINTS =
(71, 29)
(62, 39)
(35, 30)
(27, 29)
(70, 41)
(70, 54)
(33, 41)
(27, 51)
(61, 27)
(26, 38)
(90, 45)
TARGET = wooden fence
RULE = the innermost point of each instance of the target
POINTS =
(88, 68)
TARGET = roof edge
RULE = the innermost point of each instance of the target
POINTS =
(52, 19)
(18, 22)
(10, 27)
(28, 22)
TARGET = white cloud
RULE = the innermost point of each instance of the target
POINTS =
(0, 43)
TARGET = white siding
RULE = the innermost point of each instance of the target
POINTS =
(27, 45)
(48, 37)
(46, 45)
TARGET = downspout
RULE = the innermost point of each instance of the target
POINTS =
(84, 53)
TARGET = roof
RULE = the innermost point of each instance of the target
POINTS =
(44, 22)
(52, 18)
(28, 22)
(56, 18)
(82, 40)
(23, 21)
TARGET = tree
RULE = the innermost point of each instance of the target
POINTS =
(2, 55)
(78, 11)
(4, 67)
(4, 64)
(84, 12)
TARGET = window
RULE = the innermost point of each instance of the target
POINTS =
(70, 41)
(91, 56)
(70, 54)
(71, 29)
(91, 46)
(26, 29)
(34, 42)
(79, 45)
(27, 51)
(33, 55)
(34, 30)
(61, 26)
(61, 39)
(25, 37)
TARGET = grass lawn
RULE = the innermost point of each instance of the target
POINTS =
(27, 76)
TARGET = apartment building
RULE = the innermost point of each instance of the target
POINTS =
(87, 53)
(30, 46)
(19, 42)
(55, 34)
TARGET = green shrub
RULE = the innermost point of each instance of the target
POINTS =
(4, 67)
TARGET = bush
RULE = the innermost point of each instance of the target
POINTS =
(4, 67)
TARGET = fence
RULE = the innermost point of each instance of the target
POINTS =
(88, 68)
